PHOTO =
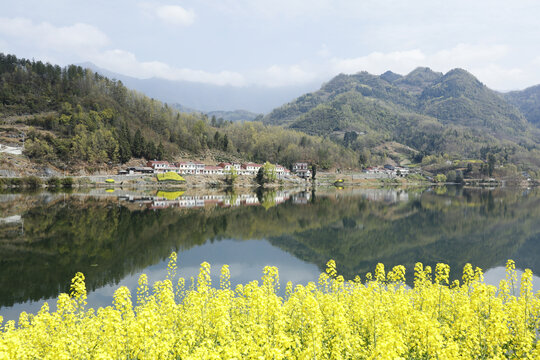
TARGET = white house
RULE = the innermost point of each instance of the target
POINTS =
(251, 168)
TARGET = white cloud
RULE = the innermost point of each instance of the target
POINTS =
(43, 35)
(501, 78)
(87, 43)
(126, 63)
(275, 76)
(176, 15)
(378, 62)
(466, 56)
(324, 51)
(169, 14)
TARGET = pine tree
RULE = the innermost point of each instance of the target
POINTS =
(225, 142)
(137, 148)
(160, 152)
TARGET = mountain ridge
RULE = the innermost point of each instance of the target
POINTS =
(452, 113)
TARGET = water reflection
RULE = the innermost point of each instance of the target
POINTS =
(112, 237)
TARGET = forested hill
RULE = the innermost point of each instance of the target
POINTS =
(528, 101)
(434, 113)
(74, 117)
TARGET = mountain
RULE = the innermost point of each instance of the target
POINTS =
(528, 102)
(208, 97)
(76, 119)
(235, 115)
(434, 113)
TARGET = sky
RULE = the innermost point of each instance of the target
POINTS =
(280, 42)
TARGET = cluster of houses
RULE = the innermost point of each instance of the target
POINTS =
(389, 170)
(198, 168)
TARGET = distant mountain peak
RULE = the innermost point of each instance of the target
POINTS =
(422, 75)
(390, 76)
(460, 80)
(418, 79)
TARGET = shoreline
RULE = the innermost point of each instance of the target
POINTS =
(148, 181)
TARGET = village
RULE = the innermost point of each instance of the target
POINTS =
(300, 169)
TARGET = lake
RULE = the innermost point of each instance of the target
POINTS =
(113, 236)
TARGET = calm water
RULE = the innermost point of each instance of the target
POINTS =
(113, 237)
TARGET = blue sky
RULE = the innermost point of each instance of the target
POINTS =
(279, 43)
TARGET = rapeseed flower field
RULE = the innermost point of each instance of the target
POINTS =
(378, 318)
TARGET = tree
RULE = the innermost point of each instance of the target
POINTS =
(160, 152)
(260, 176)
(138, 144)
(266, 174)
(440, 178)
(150, 151)
(314, 171)
(225, 143)
(349, 138)
(491, 164)
(269, 172)
(230, 176)
(459, 177)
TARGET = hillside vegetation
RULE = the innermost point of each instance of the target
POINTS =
(433, 113)
(528, 101)
(73, 117)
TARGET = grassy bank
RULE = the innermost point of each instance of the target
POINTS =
(333, 319)
(34, 182)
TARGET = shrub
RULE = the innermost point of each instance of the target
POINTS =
(16, 182)
(32, 182)
(440, 178)
(170, 176)
(53, 182)
(67, 182)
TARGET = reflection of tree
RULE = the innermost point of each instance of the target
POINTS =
(481, 227)
(61, 238)
(267, 198)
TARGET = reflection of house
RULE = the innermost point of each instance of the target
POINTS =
(168, 200)
(302, 197)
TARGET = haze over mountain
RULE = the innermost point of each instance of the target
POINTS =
(208, 97)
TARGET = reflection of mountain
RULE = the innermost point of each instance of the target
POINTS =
(109, 239)
(481, 227)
